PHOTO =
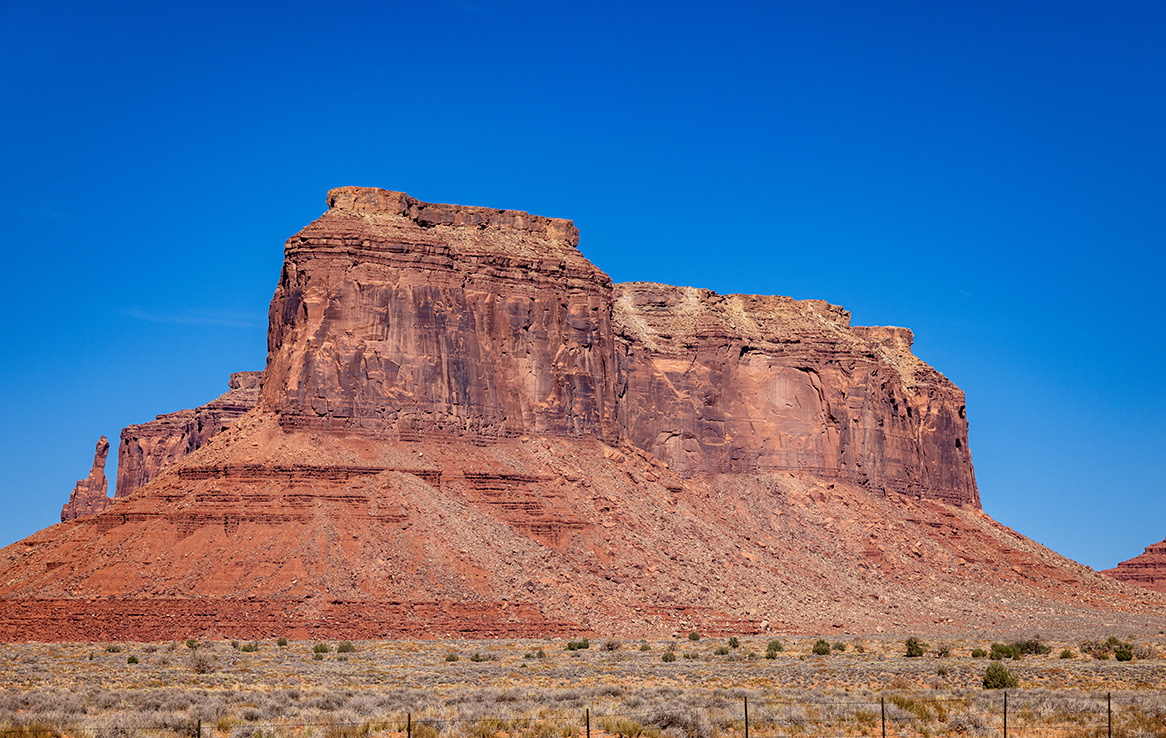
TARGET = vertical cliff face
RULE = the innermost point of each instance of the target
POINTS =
(89, 495)
(148, 448)
(402, 318)
(749, 383)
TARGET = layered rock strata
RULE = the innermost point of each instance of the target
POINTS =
(89, 495)
(465, 430)
(1145, 570)
(752, 383)
(148, 448)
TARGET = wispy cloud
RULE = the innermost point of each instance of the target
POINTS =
(225, 318)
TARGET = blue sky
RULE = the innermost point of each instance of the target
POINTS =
(988, 174)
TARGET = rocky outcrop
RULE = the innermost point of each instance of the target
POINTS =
(1145, 570)
(89, 496)
(147, 449)
(753, 383)
(403, 318)
(465, 430)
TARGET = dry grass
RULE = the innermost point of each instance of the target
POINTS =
(89, 691)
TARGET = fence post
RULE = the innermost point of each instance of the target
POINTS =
(1109, 714)
(746, 717)
(587, 717)
(883, 710)
(1005, 713)
(409, 724)
(199, 728)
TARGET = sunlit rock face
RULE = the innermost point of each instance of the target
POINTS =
(749, 383)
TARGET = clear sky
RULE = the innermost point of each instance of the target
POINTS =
(991, 175)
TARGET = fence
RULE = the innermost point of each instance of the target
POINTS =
(1031, 714)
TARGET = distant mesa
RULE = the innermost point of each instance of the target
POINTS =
(464, 429)
(1145, 570)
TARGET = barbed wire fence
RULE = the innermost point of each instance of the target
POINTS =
(897, 715)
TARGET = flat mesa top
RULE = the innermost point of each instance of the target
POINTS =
(377, 201)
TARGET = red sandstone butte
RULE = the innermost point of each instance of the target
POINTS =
(148, 448)
(465, 430)
(89, 496)
(1145, 570)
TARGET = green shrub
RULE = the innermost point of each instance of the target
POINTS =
(321, 648)
(694, 636)
(1123, 654)
(251, 647)
(451, 657)
(132, 660)
(942, 671)
(191, 643)
(734, 642)
(234, 644)
(1066, 654)
(775, 646)
(997, 676)
(1001, 651)
(645, 647)
(821, 648)
(771, 654)
(943, 651)
(318, 656)
(689, 656)
(113, 649)
(540, 654)
(668, 657)
(915, 647)
(578, 645)
(281, 642)
(611, 645)
(839, 646)
(722, 651)
(345, 647)
(979, 653)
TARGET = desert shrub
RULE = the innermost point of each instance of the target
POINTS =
(722, 651)
(689, 656)
(251, 647)
(317, 656)
(942, 670)
(694, 636)
(678, 720)
(1031, 647)
(669, 656)
(915, 647)
(775, 646)
(771, 654)
(281, 642)
(1002, 651)
(452, 657)
(943, 651)
(235, 644)
(821, 648)
(345, 647)
(1123, 654)
(1143, 651)
(645, 647)
(191, 643)
(540, 654)
(113, 649)
(734, 642)
(611, 645)
(997, 676)
(201, 662)
(578, 645)
(979, 653)
(839, 646)
(1066, 654)
(132, 660)
(321, 648)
